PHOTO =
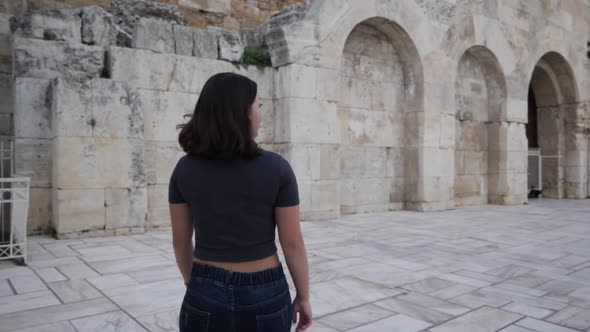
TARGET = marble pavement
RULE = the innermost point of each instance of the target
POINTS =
(488, 268)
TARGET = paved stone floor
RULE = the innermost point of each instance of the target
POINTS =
(490, 268)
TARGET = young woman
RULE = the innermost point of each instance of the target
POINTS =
(233, 194)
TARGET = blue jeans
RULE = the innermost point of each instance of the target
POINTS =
(219, 300)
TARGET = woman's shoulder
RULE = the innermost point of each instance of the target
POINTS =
(273, 157)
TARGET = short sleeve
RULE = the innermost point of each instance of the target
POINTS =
(288, 194)
(174, 194)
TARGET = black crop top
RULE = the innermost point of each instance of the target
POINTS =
(232, 203)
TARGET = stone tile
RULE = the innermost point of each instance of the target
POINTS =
(77, 271)
(340, 294)
(541, 326)
(434, 303)
(27, 284)
(5, 288)
(520, 289)
(130, 264)
(15, 271)
(58, 326)
(515, 328)
(150, 298)
(355, 317)
(74, 290)
(396, 323)
(53, 262)
(112, 281)
(452, 291)
(151, 275)
(464, 280)
(573, 317)
(509, 271)
(413, 310)
(116, 321)
(428, 285)
(15, 303)
(162, 322)
(485, 319)
(110, 250)
(54, 313)
(477, 299)
(527, 310)
(50, 274)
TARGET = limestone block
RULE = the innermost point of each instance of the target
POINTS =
(98, 27)
(266, 131)
(230, 46)
(516, 110)
(49, 59)
(158, 210)
(507, 161)
(210, 6)
(40, 210)
(352, 162)
(163, 111)
(88, 162)
(33, 159)
(293, 125)
(183, 39)
(413, 129)
(263, 76)
(205, 44)
(65, 25)
(325, 195)
(5, 23)
(125, 207)
(305, 159)
(471, 135)
(32, 113)
(116, 110)
(5, 124)
(71, 109)
(141, 68)
(356, 193)
(191, 73)
(467, 185)
(327, 84)
(356, 93)
(507, 137)
(376, 162)
(154, 35)
(78, 210)
(440, 162)
(5, 45)
(395, 162)
(329, 161)
(396, 194)
(296, 81)
(373, 128)
(413, 164)
(160, 160)
(447, 130)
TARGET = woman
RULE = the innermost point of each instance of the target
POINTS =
(233, 194)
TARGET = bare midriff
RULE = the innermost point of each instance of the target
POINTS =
(249, 266)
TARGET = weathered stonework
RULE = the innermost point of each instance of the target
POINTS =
(378, 105)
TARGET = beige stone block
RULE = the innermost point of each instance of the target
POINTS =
(293, 125)
(144, 69)
(84, 162)
(374, 129)
(395, 162)
(40, 212)
(507, 161)
(472, 162)
(471, 200)
(327, 84)
(354, 93)
(125, 207)
(438, 162)
(468, 185)
(413, 164)
(263, 76)
(414, 128)
(376, 162)
(154, 35)
(32, 113)
(78, 210)
(5, 23)
(305, 159)
(397, 192)
(33, 159)
(516, 110)
(158, 213)
(471, 135)
(71, 109)
(190, 73)
(330, 161)
(325, 195)
(163, 112)
(352, 162)
(266, 132)
(116, 110)
(507, 137)
(160, 160)
(210, 6)
(447, 130)
(296, 81)
(365, 192)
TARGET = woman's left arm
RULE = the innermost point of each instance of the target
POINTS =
(182, 238)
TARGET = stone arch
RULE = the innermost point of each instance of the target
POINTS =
(380, 83)
(553, 130)
(480, 99)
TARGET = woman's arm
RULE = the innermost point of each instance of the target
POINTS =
(182, 238)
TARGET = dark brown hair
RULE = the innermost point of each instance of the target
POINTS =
(220, 125)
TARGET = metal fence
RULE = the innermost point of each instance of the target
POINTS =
(535, 180)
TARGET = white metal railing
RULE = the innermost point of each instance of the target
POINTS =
(535, 180)
(14, 207)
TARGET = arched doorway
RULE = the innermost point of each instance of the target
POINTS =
(551, 131)
(380, 86)
(480, 98)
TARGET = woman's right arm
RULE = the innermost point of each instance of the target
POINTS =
(291, 240)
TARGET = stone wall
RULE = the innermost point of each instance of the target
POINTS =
(378, 105)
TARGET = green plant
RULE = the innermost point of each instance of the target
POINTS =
(257, 56)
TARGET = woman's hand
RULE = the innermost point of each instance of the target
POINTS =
(303, 308)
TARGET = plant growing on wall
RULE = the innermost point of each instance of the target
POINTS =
(256, 56)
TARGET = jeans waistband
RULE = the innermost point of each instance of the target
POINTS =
(237, 278)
